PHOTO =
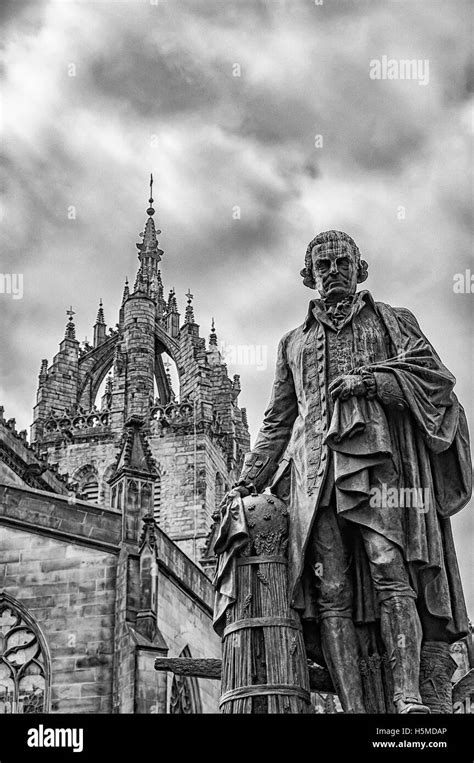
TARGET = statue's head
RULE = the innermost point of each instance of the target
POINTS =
(333, 265)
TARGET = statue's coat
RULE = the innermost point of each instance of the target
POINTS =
(427, 430)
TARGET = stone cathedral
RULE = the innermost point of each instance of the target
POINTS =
(106, 512)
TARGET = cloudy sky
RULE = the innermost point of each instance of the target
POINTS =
(224, 102)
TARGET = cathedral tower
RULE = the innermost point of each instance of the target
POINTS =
(195, 435)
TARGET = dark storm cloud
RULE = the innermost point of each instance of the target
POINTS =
(27, 14)
(152, 84)
(152, 89)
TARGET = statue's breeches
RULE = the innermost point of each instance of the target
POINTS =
(331, 559)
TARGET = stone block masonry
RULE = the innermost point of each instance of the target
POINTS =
(68, 589)
(67, 565)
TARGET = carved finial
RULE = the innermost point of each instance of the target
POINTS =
(43, 370)
(172, 304)
(126, 291)
(148, 533)
(189, 314)
(109, 385)
(139, 281)
(100, 313)
(70, 327)
(167, 366)
(159, 286)
(150, 211)
(213, 335)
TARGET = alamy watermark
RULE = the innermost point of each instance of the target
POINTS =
(245, 355)
(12, 283)
(52, 737)
(386, 497)
(400, 69)
(463, 283)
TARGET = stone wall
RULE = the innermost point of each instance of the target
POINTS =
(69, 591)
(72, 458)
(60, 560)
(188, 471)
(185, 601)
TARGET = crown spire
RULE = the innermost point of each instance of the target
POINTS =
(149, 246)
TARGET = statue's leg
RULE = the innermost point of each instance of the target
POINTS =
(341, 652)
(331, 563)
(399, 621)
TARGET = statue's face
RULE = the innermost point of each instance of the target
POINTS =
(335, 270)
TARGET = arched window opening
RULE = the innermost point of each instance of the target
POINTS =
(185, 697)
(103, 398)
(24, 669)
(90, 490)
(166, 367)
(87, 483)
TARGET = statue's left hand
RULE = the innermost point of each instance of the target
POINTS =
(242, 488)
(347, 385)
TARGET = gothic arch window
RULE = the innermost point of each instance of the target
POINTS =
(166, 379)
(146, 492)
(185, 697)
(88, 482)
(101, 391)
(132, 489)
(24, 663)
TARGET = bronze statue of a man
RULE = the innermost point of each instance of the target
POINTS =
(375, 443)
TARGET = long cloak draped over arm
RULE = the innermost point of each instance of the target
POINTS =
(233, 535)
(426, 386)
(429, 445)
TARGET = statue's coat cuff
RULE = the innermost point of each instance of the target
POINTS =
(258, 469)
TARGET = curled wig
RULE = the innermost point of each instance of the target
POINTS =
(324, 238)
